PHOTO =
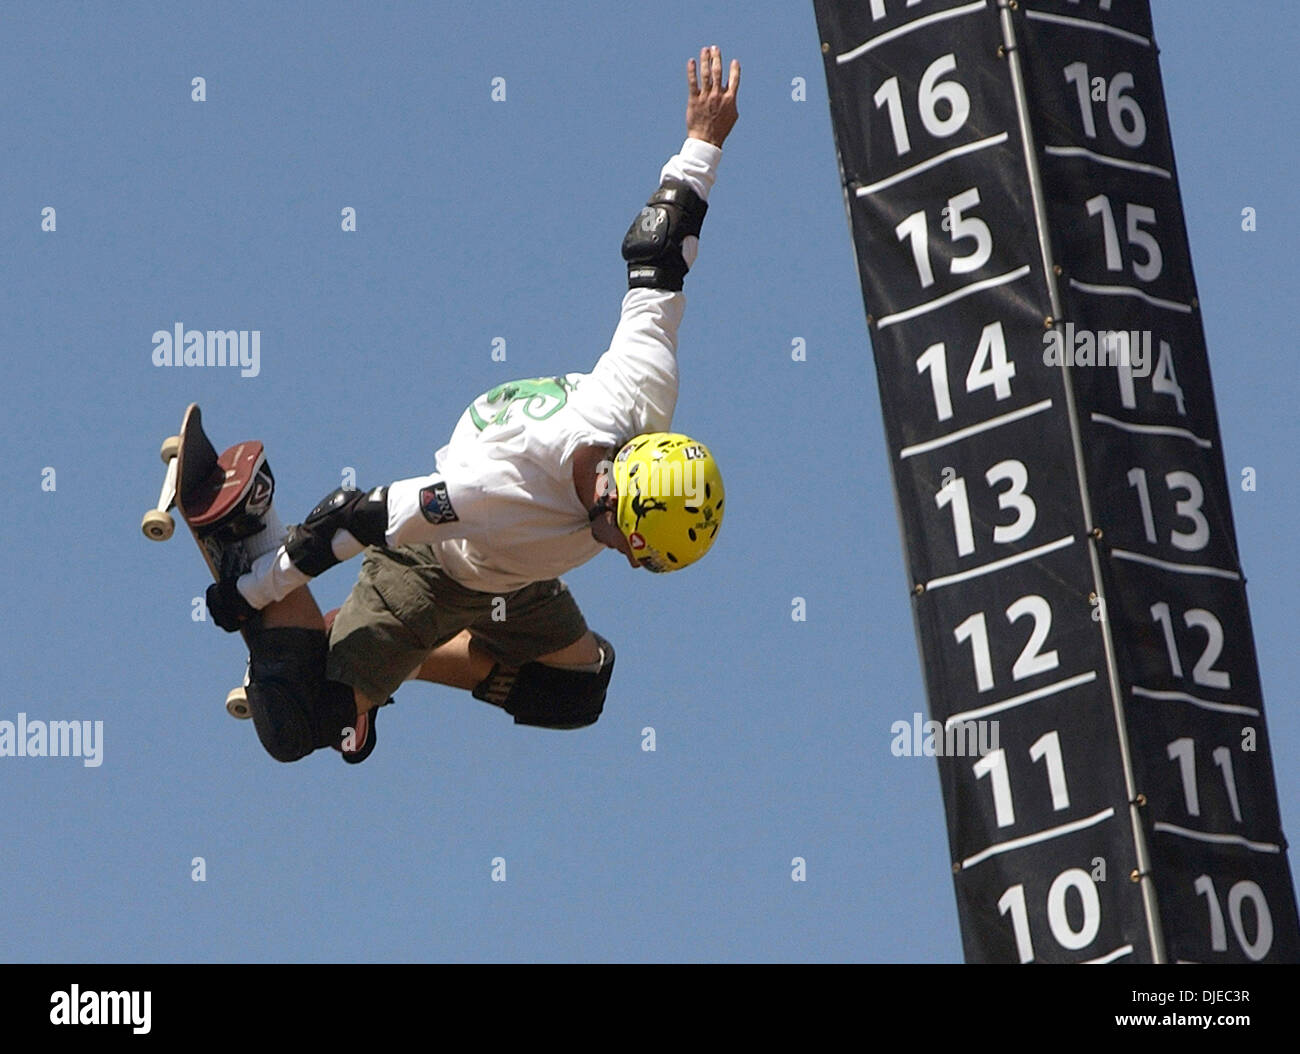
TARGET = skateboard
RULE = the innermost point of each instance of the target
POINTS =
(221, 498)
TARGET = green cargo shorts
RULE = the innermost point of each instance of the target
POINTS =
(404, 606)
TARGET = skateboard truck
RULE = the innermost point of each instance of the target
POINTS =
(158, 524)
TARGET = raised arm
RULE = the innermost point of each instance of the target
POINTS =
(637, 376)
(660, 245)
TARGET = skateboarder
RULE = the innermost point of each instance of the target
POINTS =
(460, 580)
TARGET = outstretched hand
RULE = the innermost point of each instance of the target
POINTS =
(710, 108)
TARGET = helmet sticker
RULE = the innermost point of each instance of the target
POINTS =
(644, 506)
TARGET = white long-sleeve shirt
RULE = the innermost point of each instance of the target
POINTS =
(501, 509)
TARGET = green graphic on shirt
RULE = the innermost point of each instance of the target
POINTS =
(536, 397)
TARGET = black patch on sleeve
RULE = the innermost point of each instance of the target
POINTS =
(436, 505)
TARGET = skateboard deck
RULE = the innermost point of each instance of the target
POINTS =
(206, 488)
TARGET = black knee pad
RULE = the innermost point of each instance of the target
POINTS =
(295, 710)
(549, 696)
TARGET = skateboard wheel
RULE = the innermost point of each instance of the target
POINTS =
(237, 704)
(170, 448)
(157, 525)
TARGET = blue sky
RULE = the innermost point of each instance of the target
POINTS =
(479, 220)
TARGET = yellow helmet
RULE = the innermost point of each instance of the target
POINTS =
(669, 499)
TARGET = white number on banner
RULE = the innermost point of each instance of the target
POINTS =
(1046, 748)
(1243, 891)
(1014, 497)
(1204, 672)
(1147, 271)
(1126, 118)
(1058, 918)
(1163, 379)
(976, 630)
(1032, 660)
(935, 359)
(916, 228)
(989, 368)
(994, 765)
(930, 93)
(1188, 508)
(953, 494)
(1183, 751)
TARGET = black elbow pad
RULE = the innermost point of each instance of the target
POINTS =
(364, 514)
(652, 246)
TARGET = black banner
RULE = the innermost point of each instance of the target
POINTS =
(1157, 484)
(952, 273)
(1069, 755)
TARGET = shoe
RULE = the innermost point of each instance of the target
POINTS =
(364, 737)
